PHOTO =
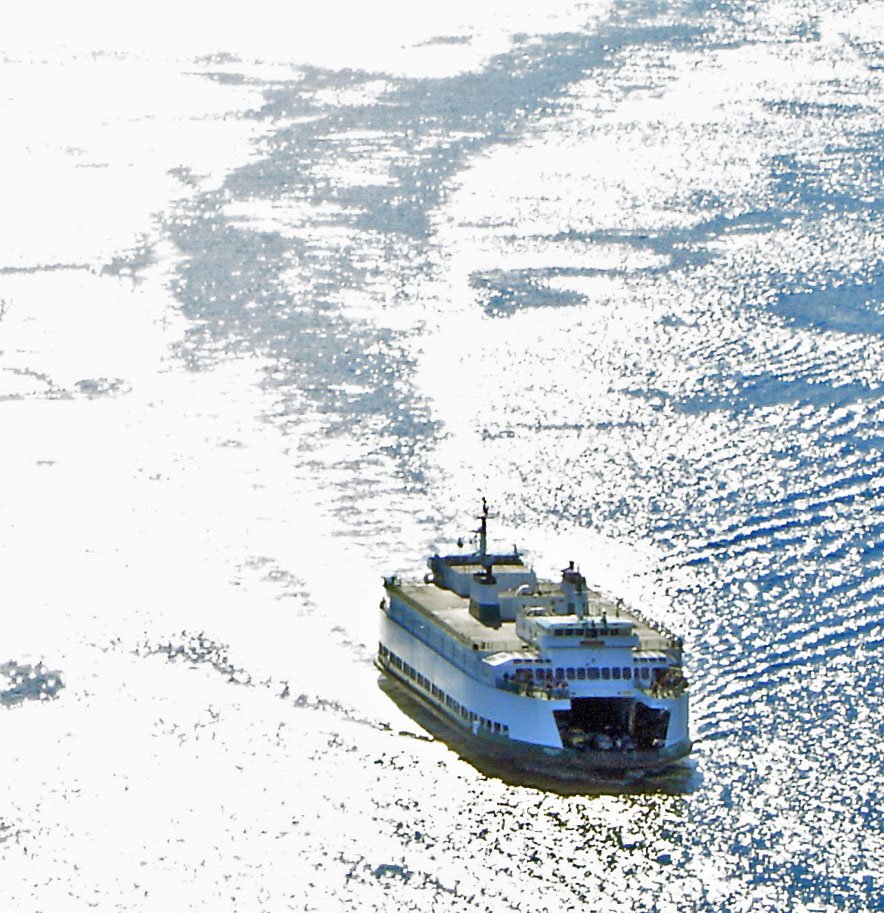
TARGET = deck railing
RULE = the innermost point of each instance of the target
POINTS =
(545, 691)
(663, 644)
(671, 683)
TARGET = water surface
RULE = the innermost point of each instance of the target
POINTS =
(281, 297)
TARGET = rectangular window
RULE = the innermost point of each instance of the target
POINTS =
(569, 673)
(592, 674)
(616, 672)
(581, 674)
(560, 674)
(646, 673)
(606, 673)
(497, 727)
(627, 672)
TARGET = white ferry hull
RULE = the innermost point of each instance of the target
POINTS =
(550, 763)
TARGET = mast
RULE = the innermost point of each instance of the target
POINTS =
(483, 531)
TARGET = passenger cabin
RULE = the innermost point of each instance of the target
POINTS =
(551, 632)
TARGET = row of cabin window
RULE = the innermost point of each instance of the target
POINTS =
(593, 674)
(586, 632)
(466, 715)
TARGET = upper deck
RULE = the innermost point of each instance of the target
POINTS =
(493, 603)
(450, 612)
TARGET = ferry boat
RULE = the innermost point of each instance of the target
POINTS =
(536, 673)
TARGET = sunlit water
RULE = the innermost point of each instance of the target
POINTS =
(280, 296)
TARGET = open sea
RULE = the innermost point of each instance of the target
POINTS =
(284, 290)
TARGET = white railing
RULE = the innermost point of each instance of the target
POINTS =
(546, 690)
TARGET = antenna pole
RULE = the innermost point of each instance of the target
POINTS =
(483, 530)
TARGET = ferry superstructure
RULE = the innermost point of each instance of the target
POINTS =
(554, 672)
